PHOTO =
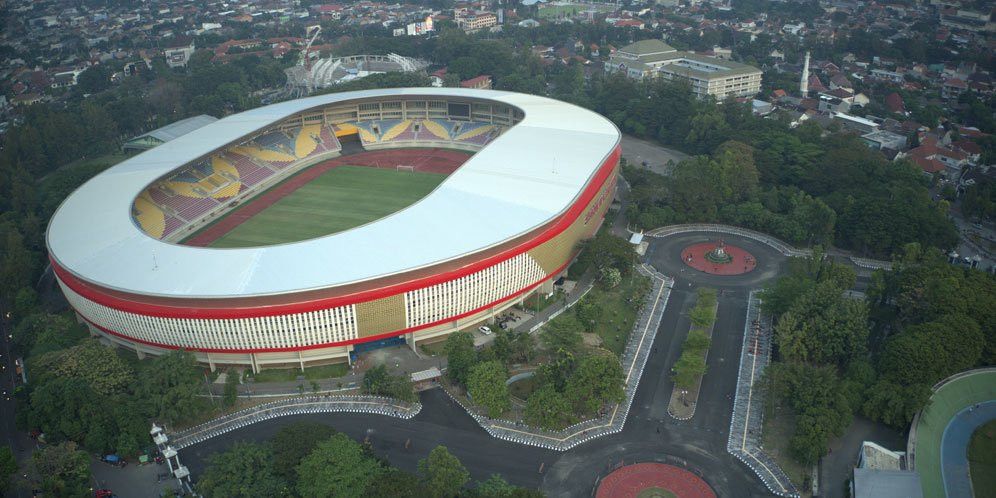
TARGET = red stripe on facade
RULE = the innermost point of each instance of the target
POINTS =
(332, 344)
(93, 293)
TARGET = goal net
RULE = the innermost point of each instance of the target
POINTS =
(406, 167)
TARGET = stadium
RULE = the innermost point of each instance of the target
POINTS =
(291, 234)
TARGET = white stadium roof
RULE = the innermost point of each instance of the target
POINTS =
(526, 177)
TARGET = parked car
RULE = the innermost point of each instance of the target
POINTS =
(485, 329)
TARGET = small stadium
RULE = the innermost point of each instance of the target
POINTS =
(294, 233)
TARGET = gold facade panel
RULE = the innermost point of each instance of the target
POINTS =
(380, 316)
(555, 252)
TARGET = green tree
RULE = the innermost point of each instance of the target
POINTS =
(697, 340)
(588, 312)
(486, 385)
(64, 470)
(820, 405)
(379, 382)
(171, 384)
(548, 408)
(690, 366)
(98, 365)
(442, 473)
(41, 333)
(294, 442)
(610, 277)
(823, 327)
(17, 266)
(597, 380)
(460, 356)
(929, 352)
(395, 483)
(495, 487)
(564, 333)
(245, 470)
(338, 466)
(702, 316)
(8, 466)
(231, 393)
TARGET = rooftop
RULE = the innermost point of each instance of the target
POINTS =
(178, 129)
(527, 177)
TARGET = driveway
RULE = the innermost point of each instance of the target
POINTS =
(637, 150)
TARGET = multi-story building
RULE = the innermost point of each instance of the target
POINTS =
(708, 76)
(478, 21)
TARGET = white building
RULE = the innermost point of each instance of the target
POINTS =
(707, 75)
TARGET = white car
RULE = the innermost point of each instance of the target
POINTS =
(485, 329)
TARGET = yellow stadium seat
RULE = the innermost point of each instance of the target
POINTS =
(475, 132)
(436, 129)
(396, 130)
(150, 218)
(305, 143)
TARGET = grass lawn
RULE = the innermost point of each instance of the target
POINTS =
(779, 425)
(310, 373)
(342, 198)
(619, 306)
(982, 460)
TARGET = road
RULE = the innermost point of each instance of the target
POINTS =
(19, 442)
(650, 434)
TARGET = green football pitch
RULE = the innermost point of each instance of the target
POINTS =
(342, 198)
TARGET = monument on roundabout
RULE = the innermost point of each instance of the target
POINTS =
(718, 254)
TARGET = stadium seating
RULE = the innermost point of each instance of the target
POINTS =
(430, 130)
(247, 172)
(403, 131)
(200, 188)
(329, 142)
(474, 133)
(188, 208)
(171, 225)
(437, 129)
(149, 217)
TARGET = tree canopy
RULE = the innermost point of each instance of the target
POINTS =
(337, 467)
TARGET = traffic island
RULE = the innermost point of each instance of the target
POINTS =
(691, 366)
(718, 258)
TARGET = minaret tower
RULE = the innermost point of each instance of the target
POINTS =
(804, 82)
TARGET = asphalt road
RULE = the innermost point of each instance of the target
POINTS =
(636, 151)
(649, 435)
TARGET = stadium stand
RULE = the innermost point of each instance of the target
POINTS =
(198, 189)
(402, 131)
(246, 171)
(439, 129)
(149, 216)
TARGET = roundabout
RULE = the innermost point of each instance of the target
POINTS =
(653, 480)
(718, 258)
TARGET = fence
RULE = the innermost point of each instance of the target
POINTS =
(294, 406)
(779, 245)
(744, 442)
(782, 247)
(634, 359)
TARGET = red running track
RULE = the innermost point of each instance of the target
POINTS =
(426, 160)
(629, 481)
(742, 262)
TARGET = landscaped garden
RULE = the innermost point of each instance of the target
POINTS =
(578, 371)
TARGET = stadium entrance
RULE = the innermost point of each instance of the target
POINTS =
(366, 347)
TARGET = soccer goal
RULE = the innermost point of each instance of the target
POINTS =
(406, 167)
